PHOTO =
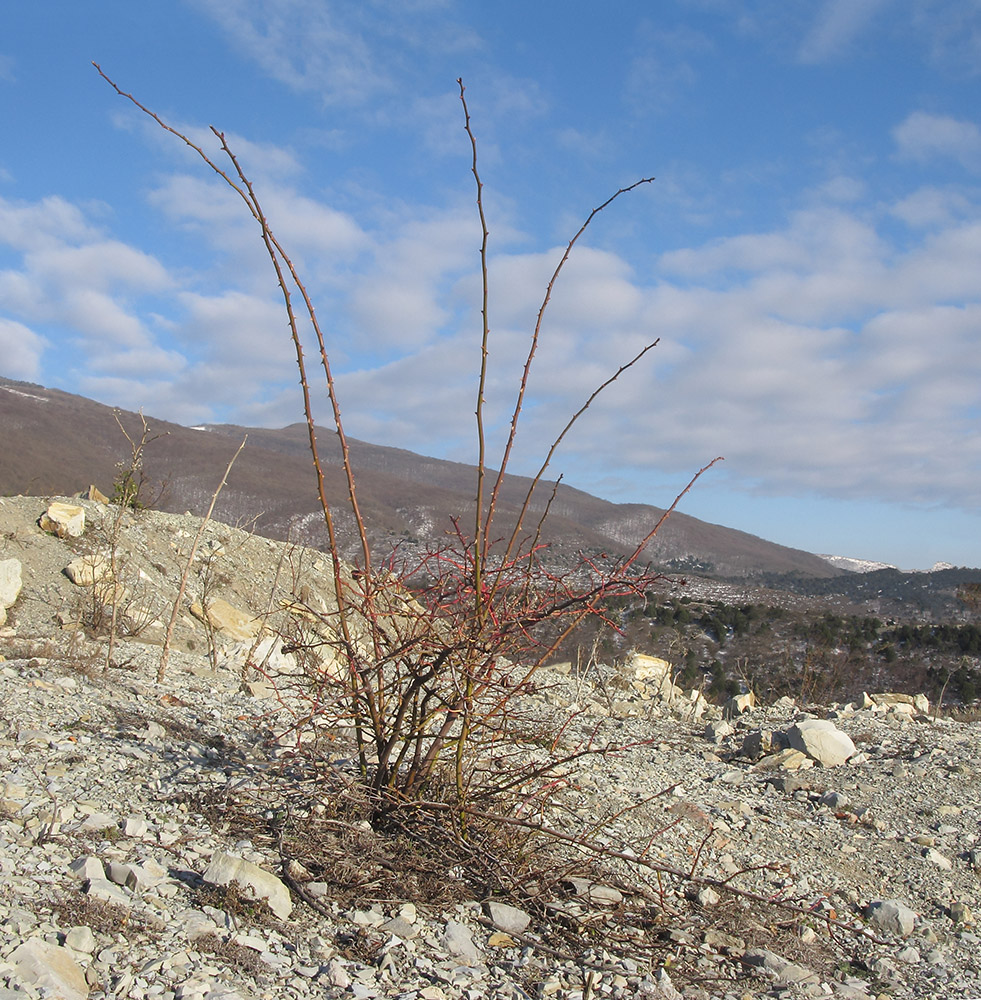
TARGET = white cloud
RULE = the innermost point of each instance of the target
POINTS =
(73, 280)
(404, 298)
(932, 206)
(21, 349)
(101, 265)
(348, 54)
(924, 137)
(952, 32)
(816, 357)
(319, 238)
(837, 25)
(306, 44)
(50, 222)
(822, 354)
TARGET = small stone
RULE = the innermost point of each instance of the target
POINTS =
(707, 896)
(717, 731)
(834, 800)
(85, 571)
(739, 705)
(651, 669)
(594, 892)
(459, 941)
(961, 913)
(666, 987)
(118, 872)
(400, 927)
(226, 868)
(10, 582)
(507, 918)
(782, 972)
(135, 826)
(227, 619)
(336, 975)
(757, 743)
(102, 888)
(195, 923)
(87, 867)
(892, 916)
(95, 822)
(789, 760)
(81, 939)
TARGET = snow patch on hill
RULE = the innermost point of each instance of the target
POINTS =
(851, 565)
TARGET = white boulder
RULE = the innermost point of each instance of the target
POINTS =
(227, 868)
(66, 520)
(822, 741)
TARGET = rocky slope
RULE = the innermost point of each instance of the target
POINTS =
(143, 824)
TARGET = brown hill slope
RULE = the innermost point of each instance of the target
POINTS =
(57, 443)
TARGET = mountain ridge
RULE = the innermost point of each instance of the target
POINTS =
(58, 442)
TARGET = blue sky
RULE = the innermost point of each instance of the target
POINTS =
(809, 254)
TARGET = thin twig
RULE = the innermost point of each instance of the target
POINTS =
(175, 610)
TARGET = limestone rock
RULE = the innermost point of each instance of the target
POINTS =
(788, 759)
(782, 972)
(10, 582)
(757, 743)
(508, 918)
(108, 892)
(717, 731)
(891, 916)
(739, 704)
(227, 619)
(38, 963)
(227, 868)
(81, 939)
(94, 493)
(66, 520)
(459, 941)
(652, 669)
(899, 704)
(267, 654)
(940, 860)
(696, 704)
(87, 867)
(594, 892)
(822, 741)
(85, 571)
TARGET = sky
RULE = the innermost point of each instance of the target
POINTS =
(808, 256)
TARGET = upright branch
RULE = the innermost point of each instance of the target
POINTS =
(480, 526)
(532, 351)
(484, 520)
(282, 265)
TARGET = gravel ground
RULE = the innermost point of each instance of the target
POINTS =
(119, 795)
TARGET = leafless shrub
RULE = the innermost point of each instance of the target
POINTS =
(428, 682)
